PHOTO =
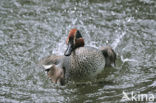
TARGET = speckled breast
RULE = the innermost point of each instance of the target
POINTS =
(85, 62)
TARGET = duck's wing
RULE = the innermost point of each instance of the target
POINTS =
(52, 59)
(49, 61)
(109, 55)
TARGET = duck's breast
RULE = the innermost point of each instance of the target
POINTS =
(85, 62)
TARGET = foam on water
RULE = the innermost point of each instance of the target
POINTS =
(153, 84)
(127, 59)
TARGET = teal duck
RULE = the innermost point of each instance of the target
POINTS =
(79, 62)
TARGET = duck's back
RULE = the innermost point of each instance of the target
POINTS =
(84, 62)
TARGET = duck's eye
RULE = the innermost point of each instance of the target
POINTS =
(78, 34)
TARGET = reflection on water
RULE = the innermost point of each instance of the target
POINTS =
(33, 29)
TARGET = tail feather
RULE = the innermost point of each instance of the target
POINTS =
(109, 55)
(47, 67)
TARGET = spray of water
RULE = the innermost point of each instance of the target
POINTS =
(117, 40)
(60, 47)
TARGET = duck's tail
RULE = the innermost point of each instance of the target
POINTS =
(109, 54)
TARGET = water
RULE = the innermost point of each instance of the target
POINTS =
(33, 29)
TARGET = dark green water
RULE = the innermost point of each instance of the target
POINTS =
(33, 29)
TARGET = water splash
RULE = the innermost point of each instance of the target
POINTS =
(117, 40)
(153, 84)
(127, 59)
(93, 44)
(60, 47)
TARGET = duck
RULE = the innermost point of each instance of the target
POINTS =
(79, 62)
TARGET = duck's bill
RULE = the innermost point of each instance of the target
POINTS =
(68, 50)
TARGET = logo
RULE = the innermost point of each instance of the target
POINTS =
(137, 97)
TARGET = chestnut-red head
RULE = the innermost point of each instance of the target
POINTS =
(73, 41)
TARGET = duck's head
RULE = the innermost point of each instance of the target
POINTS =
(73, 41)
